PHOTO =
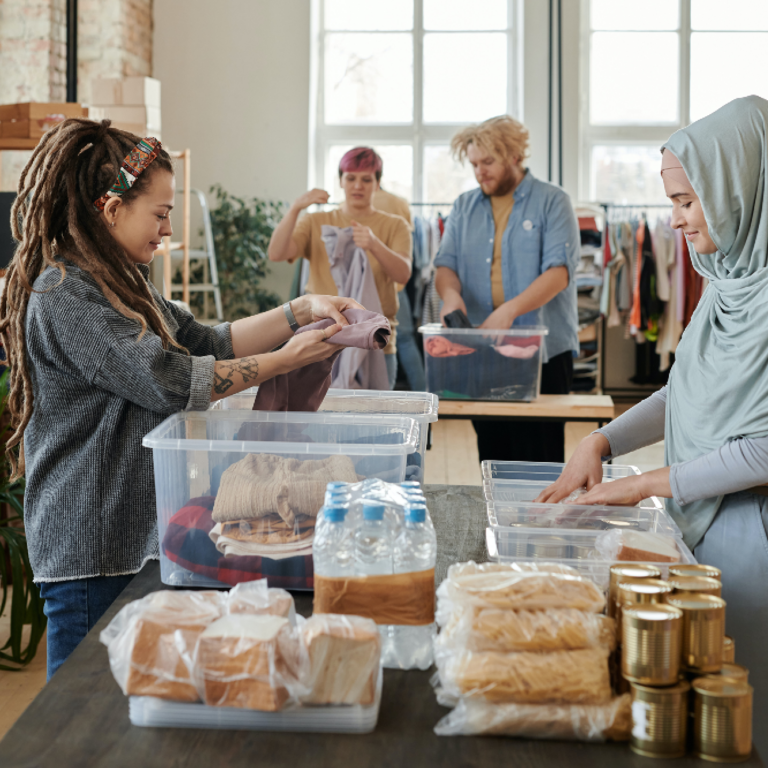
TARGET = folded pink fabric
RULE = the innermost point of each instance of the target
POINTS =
(305, 388)
(519, 353)
(439, 346)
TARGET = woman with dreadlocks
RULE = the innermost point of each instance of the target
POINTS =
(98, 359)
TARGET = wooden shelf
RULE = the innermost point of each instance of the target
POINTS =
(18, 144)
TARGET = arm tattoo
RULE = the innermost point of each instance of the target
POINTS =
(247, 367)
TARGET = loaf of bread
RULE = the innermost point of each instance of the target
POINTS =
(584, 722)
(491, 629)
(240, 661)
(494, 585)
(344, 656)
(637, 546)
(143, 642)
(258, 599)
(574, 677)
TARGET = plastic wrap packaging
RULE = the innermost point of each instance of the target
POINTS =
(575, 677)
(637, 546)
(258, 599)
(344, 657)
(597, 722)
(143, 653)
(491, 629)
(247, 661)
(508, 587)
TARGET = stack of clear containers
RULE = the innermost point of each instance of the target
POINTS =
(483, 364)
(520, 529)
(191, 450)
(419, 406)
(375, 528)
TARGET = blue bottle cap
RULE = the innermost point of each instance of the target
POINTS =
(335, 514)
(416, 513)
(373, 511)
(411, 484)
(335, 485)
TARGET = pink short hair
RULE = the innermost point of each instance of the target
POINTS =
(361, 159)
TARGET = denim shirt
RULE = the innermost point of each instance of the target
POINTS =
(542, 233)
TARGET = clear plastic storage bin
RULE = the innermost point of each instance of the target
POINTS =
(545, 472)
(150, 712)
(567, 547)
(580, 517)
(191, 450)
(474, 364)
(420, 406)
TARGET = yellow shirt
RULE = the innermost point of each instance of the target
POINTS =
(389, 203)
(391, 230)
(502, 208)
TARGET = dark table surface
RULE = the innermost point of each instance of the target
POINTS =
(80, 719)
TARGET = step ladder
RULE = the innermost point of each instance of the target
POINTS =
(210, 284)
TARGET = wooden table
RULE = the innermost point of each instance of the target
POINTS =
(562, 408)
(80, 719)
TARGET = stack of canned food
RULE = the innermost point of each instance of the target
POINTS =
(687, 692)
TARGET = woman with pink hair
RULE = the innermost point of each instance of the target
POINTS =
(385, 237)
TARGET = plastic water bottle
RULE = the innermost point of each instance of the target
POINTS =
(333, 548)
(415, 550)
(411, 484)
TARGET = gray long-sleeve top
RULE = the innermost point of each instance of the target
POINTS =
(736, 466)
(98, 389)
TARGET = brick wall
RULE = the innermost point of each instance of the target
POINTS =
(114, 40)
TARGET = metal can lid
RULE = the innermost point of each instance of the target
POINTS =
(695, 601)
(721, 686)
(654, 612)
(695, 569)
(635, 571)
(694, 583)
(683, 686)
(645, 587)
(734, 671)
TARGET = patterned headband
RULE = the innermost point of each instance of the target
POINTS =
(139, 159)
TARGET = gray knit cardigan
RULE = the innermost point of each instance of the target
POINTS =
(89, 505)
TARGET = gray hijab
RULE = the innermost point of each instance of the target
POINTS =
(718, 387)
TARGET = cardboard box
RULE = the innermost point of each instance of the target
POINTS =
(28, 129)
(148, 116)
(41, 110)
(129, 91)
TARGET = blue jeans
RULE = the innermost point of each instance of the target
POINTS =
(408, 352)
(391, 361)
(73, 608)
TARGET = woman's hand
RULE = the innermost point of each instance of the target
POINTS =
(363, 236)
(630, 491)
(312, 307)
(307, 348)
(585, 469)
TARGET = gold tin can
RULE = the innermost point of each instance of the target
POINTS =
(729, 650)
(639, 592)
(734, 671)
(622, 572)
(703, 585)
(582, 551)
(659, 720)
(722, 719)
(548, 547)
(703, 630)
(652, 640)
(696, 569)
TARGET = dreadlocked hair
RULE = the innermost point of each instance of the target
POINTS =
(53, 216)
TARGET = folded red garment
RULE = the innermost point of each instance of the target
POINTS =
(438, 346)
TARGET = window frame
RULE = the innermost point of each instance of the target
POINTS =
(418, 134)
(628, 135)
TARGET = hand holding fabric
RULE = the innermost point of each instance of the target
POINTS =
(309, 347)
(452, 302)
(363, 236)
(312, 307)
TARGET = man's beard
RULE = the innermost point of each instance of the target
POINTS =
(503, 186)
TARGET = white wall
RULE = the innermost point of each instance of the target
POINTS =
(235, 80)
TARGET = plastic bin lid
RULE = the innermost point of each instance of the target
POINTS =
(433, 329)
(166, 435)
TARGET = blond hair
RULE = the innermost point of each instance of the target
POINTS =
(503, 137)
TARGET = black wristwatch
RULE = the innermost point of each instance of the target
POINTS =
(290, 317)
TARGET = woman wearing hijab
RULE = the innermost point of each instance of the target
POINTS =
(713, 414)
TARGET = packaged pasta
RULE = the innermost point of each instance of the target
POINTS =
(507, 587)
(344, 658)
(611, 721)
(142, 647)
(492, 629)
(562, 676)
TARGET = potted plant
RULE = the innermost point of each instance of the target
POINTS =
(15, 571)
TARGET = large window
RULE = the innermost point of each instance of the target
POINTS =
(654, 67)
(403, 80)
